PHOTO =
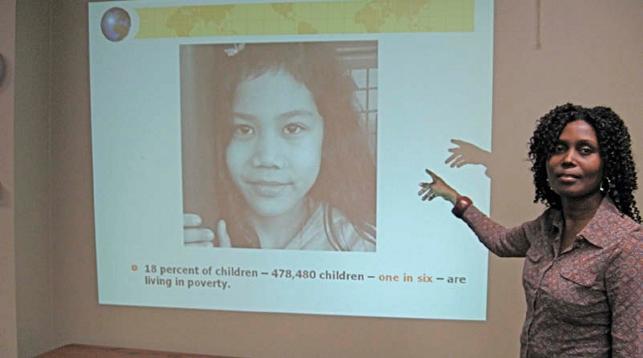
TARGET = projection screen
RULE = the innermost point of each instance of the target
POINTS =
(265, 156)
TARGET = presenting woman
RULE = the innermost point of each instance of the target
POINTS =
(582, 273)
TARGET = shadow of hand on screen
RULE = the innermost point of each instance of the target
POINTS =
(466, 153)
(196, 235)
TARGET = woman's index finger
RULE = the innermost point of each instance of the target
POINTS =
(433, 176)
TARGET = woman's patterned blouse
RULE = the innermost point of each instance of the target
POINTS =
(584, 301)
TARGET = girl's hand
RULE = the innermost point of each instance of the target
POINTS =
(196, 235)
(437, 187)
(222, 234)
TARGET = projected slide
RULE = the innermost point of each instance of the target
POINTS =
(265, 156)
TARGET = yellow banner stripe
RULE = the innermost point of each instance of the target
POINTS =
(356, 17)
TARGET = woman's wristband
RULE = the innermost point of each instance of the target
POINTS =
(462, 203)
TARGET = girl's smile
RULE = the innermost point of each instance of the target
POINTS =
(268, 189)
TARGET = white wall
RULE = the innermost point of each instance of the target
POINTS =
(8, 340)
(33, 245)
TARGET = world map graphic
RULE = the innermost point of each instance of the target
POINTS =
(363, 16)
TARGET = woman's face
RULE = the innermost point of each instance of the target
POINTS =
(575, 169)
(274, 154)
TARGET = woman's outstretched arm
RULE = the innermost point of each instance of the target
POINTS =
(497, 238)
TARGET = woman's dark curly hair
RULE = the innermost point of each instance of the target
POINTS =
(619, 172)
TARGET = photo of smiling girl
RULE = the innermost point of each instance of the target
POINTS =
(292, 163)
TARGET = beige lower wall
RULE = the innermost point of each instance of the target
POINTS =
(8, 334)
(589, 53)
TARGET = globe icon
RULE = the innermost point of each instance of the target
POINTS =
(115, 24)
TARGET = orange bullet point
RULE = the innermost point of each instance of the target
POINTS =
(134, 268)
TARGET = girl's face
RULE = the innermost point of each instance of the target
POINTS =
(274, 154)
